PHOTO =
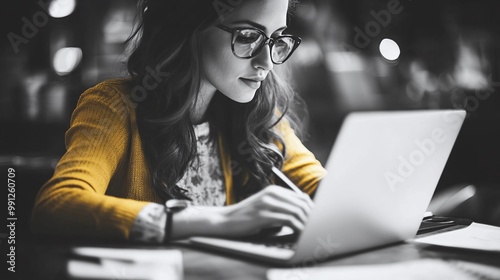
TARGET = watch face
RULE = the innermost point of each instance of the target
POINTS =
(176, 204)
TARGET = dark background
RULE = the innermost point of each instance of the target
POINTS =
(450, 58)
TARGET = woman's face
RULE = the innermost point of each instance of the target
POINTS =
(237, 78)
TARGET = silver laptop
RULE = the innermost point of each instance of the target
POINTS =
(382, 173)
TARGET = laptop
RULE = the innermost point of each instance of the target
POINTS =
(381, 175)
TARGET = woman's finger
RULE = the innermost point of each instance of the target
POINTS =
(279, 206)
(290, 197)
(274, 218)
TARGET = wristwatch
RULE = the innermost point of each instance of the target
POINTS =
(172, 206)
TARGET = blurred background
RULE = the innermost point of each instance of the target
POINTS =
(356, 55)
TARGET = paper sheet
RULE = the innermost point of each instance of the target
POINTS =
(425, 269)
(116, 263)
(476, 236)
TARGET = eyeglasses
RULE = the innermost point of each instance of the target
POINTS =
(248, 42)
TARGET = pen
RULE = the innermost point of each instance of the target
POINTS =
(285, 180)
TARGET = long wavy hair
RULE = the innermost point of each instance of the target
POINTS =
(167, 46)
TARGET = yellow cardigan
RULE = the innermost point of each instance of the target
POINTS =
(102, 182)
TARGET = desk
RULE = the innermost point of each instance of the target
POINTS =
(47, 259)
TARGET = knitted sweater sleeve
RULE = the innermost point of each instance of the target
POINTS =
(300, 165)
(74, 201)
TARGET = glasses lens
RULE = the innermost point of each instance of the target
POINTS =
(282, 49)
(247, 43)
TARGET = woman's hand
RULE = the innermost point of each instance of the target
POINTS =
(273, 206)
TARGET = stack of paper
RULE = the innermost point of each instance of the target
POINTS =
(424, 269)
(476, 237)
(113, 263)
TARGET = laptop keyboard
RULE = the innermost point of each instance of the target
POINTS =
(282, 245)
(284, 242)
(270, 240)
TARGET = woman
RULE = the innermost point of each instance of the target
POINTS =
(199, 119)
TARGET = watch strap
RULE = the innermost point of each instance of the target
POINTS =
(168, 226)
(171, 207)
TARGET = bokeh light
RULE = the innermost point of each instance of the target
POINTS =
(66, 60)
(61, 8)
(389, 49)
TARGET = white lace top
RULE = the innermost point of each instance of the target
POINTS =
(203, 179)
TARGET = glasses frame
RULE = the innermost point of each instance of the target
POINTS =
(268, 41)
